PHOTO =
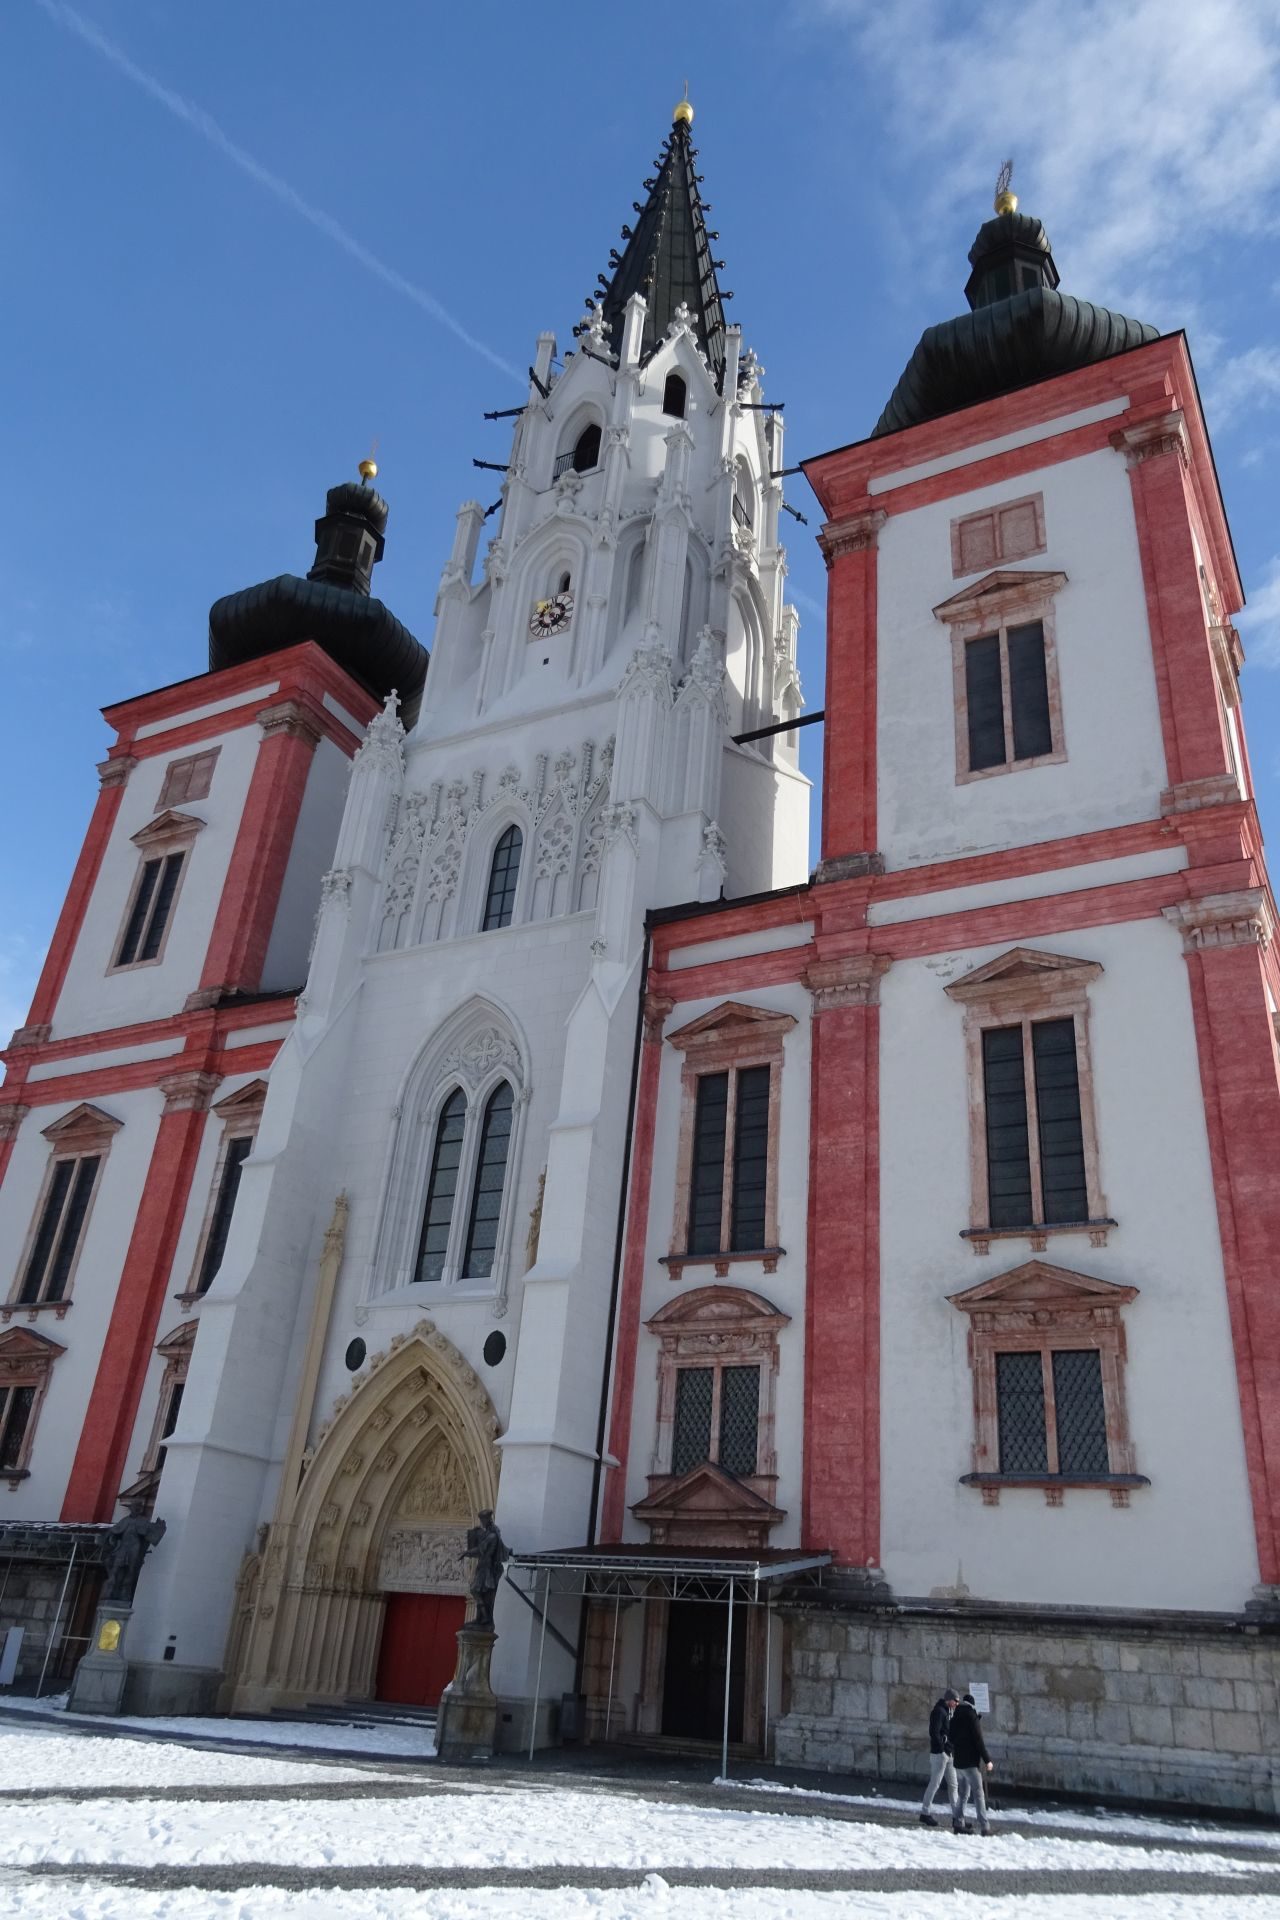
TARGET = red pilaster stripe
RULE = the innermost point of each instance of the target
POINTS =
(113, 772)
(613, 1512)
(849, 777)
(1238, 1072)
(126, 1352)
(841, 1489)
(255, 876)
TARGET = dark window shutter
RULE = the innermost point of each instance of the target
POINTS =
(162, 907)
(15, 1416)
(72, 1227)
(1029, 692)
(238, 1151)
(984, 700)
(1020, 1405)
(1008, 1147)
(691, 1443)
(503, 874)
(46, 1232)
(1062, 1177)
(491, 1174)
(442, 1187)
(750, 1158)
(739, 1418)
(138, 915)
(706, 1186)
(1081, 1412)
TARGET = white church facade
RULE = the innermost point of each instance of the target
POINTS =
(883, 1253)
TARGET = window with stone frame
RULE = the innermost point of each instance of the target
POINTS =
(504, 877)
(1011, 530)
(189, 779)
(241, 1115)
(727, 1154)
(1008, 704)
(1033, 1143)
(26, 1366)
(46, 1270)
(175, 1350)
(166, 846)
(1047, 1353)
(717, 1382)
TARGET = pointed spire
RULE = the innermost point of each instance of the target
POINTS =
(668, 255)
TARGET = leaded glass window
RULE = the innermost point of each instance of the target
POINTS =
(1020, 1400)
(691, 1444)
(1050, 1186)
(15, 1417)
(490, 1178)
(503, 875)
(442, 1187)
(739, 1418)
(1081, 1411)
(58, 1235)
(1051, 1411)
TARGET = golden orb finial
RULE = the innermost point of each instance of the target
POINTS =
(683, 112)
(1005, 201)
(368, 467)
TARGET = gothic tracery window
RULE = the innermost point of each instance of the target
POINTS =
(442, 1187)
(504, 874)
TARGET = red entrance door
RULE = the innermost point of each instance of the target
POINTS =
(419, 1646)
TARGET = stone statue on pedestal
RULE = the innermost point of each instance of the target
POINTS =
(488, 1549)
(131, 1540)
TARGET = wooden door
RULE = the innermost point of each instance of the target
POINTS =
(419, 1647)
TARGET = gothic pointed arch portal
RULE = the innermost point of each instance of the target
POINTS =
(395, 1475)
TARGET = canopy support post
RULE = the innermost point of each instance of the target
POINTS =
(728, 1676)
(542, 1641)
(768, 1649)
(57, 1620)
(613, 1654)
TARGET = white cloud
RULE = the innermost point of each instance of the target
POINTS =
(1260, 620)
(1241, 384)
(1142, 130)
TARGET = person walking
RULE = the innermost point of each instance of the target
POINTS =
(971, 1759)
(941, 1768)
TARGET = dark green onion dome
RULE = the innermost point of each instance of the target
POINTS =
(332, 606)
(1020, 329)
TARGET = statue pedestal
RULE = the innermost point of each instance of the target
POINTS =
(467, 1726)
(100, 1678)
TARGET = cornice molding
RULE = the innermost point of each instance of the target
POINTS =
(1240, 919)
(1149, 439)
(854, 535)
(846, 980)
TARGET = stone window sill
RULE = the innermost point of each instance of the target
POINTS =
(1054, 1485)
(675, 1263)
(58, 1308)
(1037, 1233)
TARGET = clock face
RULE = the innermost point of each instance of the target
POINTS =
(551, 616)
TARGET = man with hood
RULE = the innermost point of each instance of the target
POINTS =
(969, 1753)
(941, 1766)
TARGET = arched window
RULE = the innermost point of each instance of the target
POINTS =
(586, 452)
(486, 1194)
(442, 1188)
(744, 497)
(565, 582)
(635, 580)
(503, 874)
(674, 396)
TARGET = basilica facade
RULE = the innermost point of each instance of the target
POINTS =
(449, 1090)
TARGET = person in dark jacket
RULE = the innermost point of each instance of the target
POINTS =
(971, 1759)
(940, 1765)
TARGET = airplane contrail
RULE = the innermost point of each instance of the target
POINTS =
(207, 127)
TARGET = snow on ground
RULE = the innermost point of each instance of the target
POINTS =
(40, 1758)
(548, 1826)
(655, 1900)
(396, 1740)
(1092, 1820)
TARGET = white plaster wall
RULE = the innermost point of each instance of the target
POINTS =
(1182, 1393)
(764, 816)
(1047, 883)
(1115, 768)
(785, 1288)
(97, 1278)
(91, 996)
(310, 856)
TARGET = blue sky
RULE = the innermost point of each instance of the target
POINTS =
(242, 239)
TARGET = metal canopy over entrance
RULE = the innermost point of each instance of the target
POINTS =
(732, 1576)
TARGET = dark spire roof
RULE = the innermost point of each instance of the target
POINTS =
(332, 606)
(1020, 329)
(668, 254)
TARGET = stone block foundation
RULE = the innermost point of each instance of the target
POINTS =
(1159, 1709)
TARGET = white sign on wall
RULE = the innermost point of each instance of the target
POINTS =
(981, 1695)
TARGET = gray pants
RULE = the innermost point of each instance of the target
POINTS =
(969, 1781)
(940, 1770)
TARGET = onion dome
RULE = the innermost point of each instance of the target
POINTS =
(333, 606)
(1020, 328)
